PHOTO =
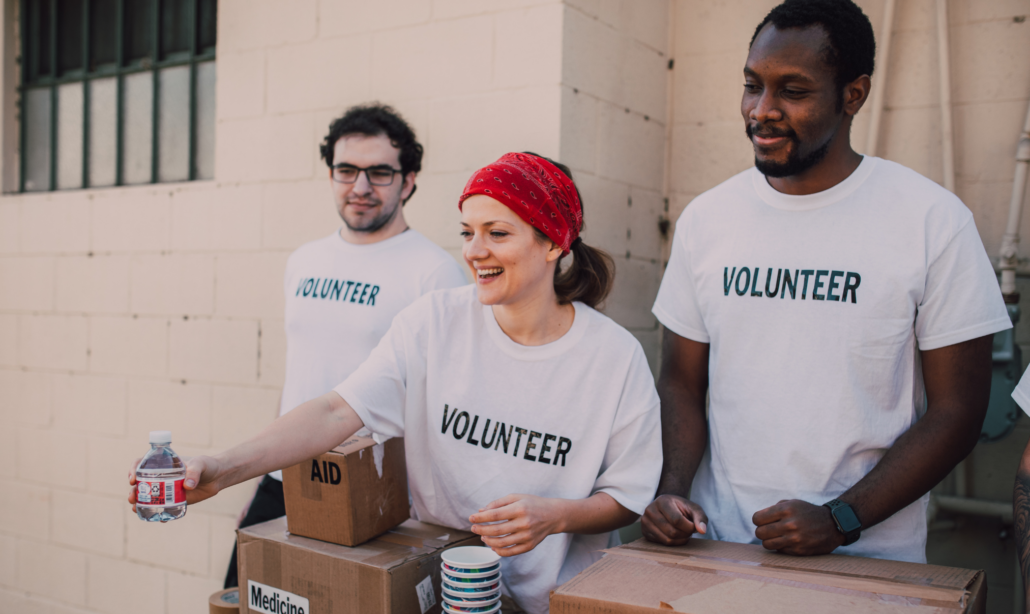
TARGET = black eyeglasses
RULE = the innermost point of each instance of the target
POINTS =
(377, 175)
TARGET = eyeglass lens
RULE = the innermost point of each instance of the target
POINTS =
(376, 176)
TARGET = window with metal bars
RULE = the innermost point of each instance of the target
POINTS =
(116, 92)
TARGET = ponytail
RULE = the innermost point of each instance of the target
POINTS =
(588, 278)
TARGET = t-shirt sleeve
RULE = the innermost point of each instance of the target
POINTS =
(1022, 393)
(677, 307)
(633, 458)
(447, 275)
(377, 389)
(961, 299)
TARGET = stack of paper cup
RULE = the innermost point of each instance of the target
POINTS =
(471, 580)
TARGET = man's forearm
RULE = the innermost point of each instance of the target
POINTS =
(1021, 518)
(917, 462)
(958, 387)
(314, 427)
(684, 438)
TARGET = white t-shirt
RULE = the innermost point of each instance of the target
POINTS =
(815, 307)
(340, 300)
(1022, 393)
(483, 417)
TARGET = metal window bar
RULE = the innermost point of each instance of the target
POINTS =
(26, 66)
(155, 54)
(87, 16)
(53, 93)
(31, 78)
(194, 21)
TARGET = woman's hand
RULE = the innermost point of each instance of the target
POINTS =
(522, 522)
(201, 479)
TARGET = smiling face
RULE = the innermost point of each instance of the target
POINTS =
(792, 106)
(367, 208)
(509, 262)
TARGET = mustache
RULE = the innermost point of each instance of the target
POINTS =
(769, 131)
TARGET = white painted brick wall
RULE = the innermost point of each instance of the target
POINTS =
(613, 108)
(51, 571)
(126, 310)
(128, 345)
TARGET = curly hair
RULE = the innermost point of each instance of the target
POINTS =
(375, 119)
(852, 49)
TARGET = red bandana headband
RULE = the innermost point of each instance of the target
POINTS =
(536, 190)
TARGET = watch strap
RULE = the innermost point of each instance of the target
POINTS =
(851, 534)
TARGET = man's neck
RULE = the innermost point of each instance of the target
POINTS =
(837, 166)
(395, 227)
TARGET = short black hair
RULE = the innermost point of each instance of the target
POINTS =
(852, 49)
(375, 119)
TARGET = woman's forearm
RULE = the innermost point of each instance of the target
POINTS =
(313, 428)
(598, 513)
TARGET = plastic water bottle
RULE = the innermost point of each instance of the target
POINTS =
(160, 479)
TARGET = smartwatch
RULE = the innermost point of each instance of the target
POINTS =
(846, 520)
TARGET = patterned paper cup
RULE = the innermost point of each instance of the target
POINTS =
(481, 606)
(457, 609)
(471, 582)
(470, 575)
(471, 589)
(471, 599)
(489, 569)
(471, 559)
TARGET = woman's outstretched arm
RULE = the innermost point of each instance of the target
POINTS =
(313, 428)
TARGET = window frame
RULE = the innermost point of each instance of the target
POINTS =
(119, 70)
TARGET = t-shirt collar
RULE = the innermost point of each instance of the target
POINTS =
(537, 352)
(808, 202)
(368, 248)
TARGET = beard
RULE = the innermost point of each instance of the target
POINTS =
(370, 223)
(795, 163)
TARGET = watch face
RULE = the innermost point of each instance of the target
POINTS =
(847, 519)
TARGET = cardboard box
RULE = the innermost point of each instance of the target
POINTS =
(396, 573)
(710, 577)
(349, 495)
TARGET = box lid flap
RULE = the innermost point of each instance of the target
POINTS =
(707, 552)
(354, 445)
(410, 540)
(704, 576)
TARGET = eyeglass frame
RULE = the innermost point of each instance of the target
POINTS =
(378, 167)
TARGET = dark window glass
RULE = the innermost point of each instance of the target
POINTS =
(103, 22)
(69, 35)
(207, 20)
(38, 49)
(175, 27)
(99, 129)
(139, 28)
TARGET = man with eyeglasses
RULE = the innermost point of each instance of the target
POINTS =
(342, 291)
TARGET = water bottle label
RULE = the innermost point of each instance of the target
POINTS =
(160, 493)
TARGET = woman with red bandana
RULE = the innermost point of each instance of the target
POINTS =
(528, 417)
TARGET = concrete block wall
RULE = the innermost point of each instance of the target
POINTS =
(131, 309)
(614, 92)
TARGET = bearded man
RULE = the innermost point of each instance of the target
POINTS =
(820, 293)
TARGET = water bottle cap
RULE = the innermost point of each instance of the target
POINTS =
(160, 437)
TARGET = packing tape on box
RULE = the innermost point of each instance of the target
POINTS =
(225, 602)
